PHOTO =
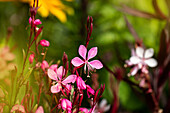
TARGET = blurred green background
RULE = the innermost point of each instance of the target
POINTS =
(110, 35)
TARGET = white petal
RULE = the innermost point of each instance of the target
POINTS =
(135, 59)
(134, 70)
(106, 108)
(103, 103)
(151, 62)
(140, 52)
(149, 53)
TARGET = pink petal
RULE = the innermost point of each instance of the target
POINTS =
(149, 53)
(69, 79)
(84, 110)
(31, 58)
(37, 22)
(40, 110)
(135, 59)
(77, 61)
(44, 43)
(60, 72)
(134, 70)
(80, 83)
(53, 67)
(44, 65)
(96, 64)
(92, 53)
(66, 104)
(82, 51)
(52, 74)
(89, 90)
(56, 88)
(30, 20)
(151, 62)
(140, 52)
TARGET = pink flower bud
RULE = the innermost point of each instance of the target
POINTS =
(44, 65)
(66, 105)
(80, 83)
(44, 43)
(31, 58)
(37, 22)
(30, 20)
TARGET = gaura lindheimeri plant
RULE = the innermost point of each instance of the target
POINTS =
(140, 60)
(61, 88)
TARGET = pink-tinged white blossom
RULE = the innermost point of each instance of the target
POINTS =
(89, 90)
(44, 43)
(35, 22)
(95, 64)
(40, 110)
(80, 83)
(66, 105)
(44, 65)
(140, 59)
(58, 77)
(31, 58)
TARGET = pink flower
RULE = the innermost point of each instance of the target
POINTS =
(44, 43)
(80, 83)
(40, 110)
(31, 58)
(95, 64)
(58, 77)
(84, 110)
(66, 105)
(141, 59)
(35, 22)
(44, 65)
(89, 90)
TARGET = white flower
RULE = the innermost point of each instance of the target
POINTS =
(141, 59)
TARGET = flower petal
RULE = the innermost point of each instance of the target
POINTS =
(52, 74)
(149, 53)
(135, 59)
(134, 70)
(77, 61)
(103, 103)
(151, 62)
(82, 51)
(80, 83)
(56, 88)
(96, 64)
(140, 52)
(92, 53)
(40, 110)
(60, 72)
(106, 108)
(69, 79)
